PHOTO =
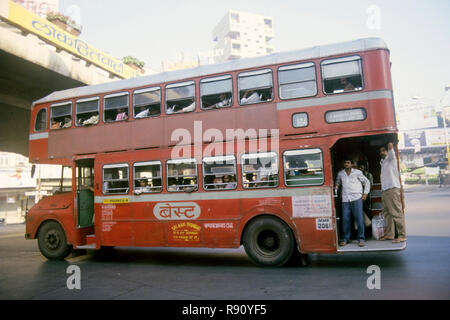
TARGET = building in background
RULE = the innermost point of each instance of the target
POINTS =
(20, 189)
(422, 130)
(242, 35)
(39, 7)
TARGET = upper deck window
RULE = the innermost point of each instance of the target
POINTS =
(182, 175)
(297, 81)
(147, 102)
(86, 111)
(61, 115)
(342, 74)
(216, 92)
(255, 86)
(115, 178)
(41, 120)
(219, 173)
(115, 107)
(180, 97)
(147, 177)
(260, 170)
(303, 167)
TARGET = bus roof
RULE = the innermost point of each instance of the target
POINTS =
(274, 58)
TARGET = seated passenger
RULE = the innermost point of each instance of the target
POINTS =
(189, 108)
(91, 120)
(143, 187)
(346, 85)
(143, 114)
(218, 182)
(121, 115)
(224, 102)
(67, 122)
(250, 98)
(55, 124)
(230, 183)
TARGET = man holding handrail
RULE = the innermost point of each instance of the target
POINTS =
(391, 196)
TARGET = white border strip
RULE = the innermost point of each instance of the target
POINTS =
(38, 136)
(313, 102)
(222, 195)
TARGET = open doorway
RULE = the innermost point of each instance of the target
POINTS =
(362, 151)
(85, 192)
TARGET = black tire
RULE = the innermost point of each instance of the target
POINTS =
(52, 241)
(268, 241)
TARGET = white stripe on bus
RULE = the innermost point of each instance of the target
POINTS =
(221, 195)
(361, 96)
(37, 136)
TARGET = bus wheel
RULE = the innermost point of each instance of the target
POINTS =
(52, 241)
(268, 242)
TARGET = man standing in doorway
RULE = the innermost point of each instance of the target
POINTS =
(391, 197)
(352, 182)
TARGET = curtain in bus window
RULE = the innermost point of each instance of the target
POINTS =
(303, 167)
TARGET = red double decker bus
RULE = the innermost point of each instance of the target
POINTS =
(239, 153)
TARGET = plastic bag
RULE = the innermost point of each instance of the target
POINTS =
(378, 226)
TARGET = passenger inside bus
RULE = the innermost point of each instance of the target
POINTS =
(250, 96)
(88, 119)
(223, 100)
(229, 181)
(121, 115)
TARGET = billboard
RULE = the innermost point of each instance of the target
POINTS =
(44, 29)
(416, 116)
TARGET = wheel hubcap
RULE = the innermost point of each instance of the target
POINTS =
(52, 240)
(268, 241)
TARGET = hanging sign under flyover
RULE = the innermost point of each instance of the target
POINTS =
(64, 40)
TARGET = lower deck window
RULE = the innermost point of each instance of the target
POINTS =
(303, 167)
(219, 173)
(147, 177)
(260, 170)
(115, 179)
(182, 175)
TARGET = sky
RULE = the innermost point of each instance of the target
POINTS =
(417, 32)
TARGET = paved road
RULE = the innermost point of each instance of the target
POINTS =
(420, 272)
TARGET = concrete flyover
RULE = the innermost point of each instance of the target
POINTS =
(31, 67)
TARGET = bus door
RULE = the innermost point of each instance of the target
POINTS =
(85, 192)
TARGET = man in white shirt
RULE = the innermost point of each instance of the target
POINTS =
(353, 195)
(253, 98)
(391, 196)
